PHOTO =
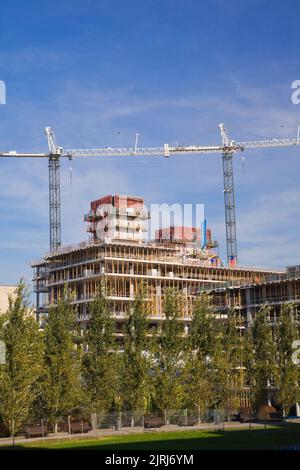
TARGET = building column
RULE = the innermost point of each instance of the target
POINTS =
(264, 294)
(158, 299)
(290, 291)
(186, 305)
(248, 308)
(131, 288)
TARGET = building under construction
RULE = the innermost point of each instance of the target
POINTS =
(275, 290)
(118, 253)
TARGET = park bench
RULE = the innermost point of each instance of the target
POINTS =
(36, 431)
(79, 427)
(4, 432)
(187, 421)
(153, 422)
(235, 417)
(276, 416)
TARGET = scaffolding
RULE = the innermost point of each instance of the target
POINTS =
(275, 290)
(124, 266)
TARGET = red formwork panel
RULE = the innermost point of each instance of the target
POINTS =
(178, 233)
(120, 201)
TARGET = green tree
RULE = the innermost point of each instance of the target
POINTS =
(23, 362)
(61, 384)
(168, 355)
(200, 348)
(196, 383)
(262, 364)
(136, 362)
(99, 361)
(204, 327)
(287, 376)
(228, 364)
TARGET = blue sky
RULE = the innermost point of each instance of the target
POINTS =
(100, 71)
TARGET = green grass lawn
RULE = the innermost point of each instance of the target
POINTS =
(272, 438)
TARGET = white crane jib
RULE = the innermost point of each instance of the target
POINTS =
(227, 149)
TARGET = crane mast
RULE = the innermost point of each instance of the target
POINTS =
(54, 202)
(229, 197)
(54, 189)
(229, 202)
(227, 149)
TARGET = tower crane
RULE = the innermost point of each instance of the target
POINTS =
(227, 149)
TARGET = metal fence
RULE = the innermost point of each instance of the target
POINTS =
(128, 421)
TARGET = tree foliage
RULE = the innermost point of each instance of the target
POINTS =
(287, 374)
(136, 384)
(228, 364)
(99, 361)
(23, 360)
(57, 372)
(200, 348)
(168, 355)
(61, 381)
(262, 363)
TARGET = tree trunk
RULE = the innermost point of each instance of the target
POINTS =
(13, 431)
(199, 415)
